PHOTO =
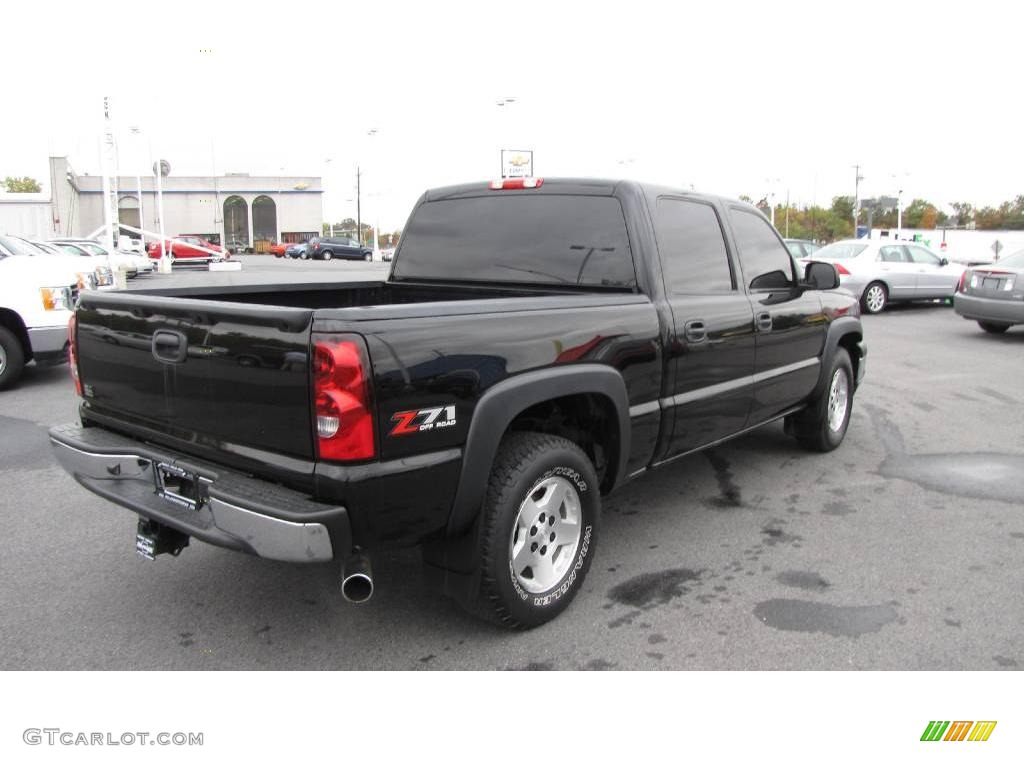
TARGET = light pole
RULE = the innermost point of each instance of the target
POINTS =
(137, 132)
(505, 101)
(771, 197)
(323, 202)
(899, 201)
(857, 179)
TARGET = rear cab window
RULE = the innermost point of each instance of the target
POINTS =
(550, 239)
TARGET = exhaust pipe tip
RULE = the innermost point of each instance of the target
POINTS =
(356, 580)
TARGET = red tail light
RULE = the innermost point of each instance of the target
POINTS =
(73, 354)
(341, 399)
(842, 270)
(963, 281)
(528, 182)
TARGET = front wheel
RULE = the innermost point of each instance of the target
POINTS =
(993, 327)
(367, 257)
(875, 298)
(538, 529)
(12, 358)
(822, 425)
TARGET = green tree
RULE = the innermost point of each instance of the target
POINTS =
(843, 207)
(22, 184)
(962, 212)
(920, 214)
(988, 218)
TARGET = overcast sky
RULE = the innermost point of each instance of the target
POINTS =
(732, 99)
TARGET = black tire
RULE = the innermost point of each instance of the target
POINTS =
(367, 257)
(12, 358)
(872, 307)
(304, 256)
(993, 327)
(524, 461)
(328, 255)
(811, 426)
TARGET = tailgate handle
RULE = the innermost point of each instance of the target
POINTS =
(170, 346)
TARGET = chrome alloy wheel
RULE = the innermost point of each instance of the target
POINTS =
(875, 298)
(3, 360)
(546, 534)
(838, 400)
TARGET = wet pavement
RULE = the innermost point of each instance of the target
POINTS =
(904, 549)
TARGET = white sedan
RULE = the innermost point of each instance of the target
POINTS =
(880, 271)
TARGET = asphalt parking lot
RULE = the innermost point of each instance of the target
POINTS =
(903, 549)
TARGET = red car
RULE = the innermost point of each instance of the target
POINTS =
(182, 248)
(278, 249)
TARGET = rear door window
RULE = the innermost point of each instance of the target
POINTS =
(693, 253)
(570, 240)
(892, 254)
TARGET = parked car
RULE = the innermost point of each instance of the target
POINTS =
(533, 348)
(83, 269)
(297, 251)
(993, 294)
(881, 271)
(37, 294)
(236, 247)
(132, 263)
(181, 247)
(328, 248)
(801, 249)
(278, 249)
(101, 275)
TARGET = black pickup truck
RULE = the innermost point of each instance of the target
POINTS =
(537, 344)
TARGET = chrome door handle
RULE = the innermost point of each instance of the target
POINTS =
(695, 331)
(764, 321)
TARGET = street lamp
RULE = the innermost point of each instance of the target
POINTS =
(898, 177)
(323, 199)
(137, 132)
(771, 197)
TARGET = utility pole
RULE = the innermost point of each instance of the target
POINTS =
(359, 210)
(856, 197)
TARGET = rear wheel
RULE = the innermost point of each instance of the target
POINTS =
(367, 257)
(822, 425)
(12, 358)
(993, 327)
(538, 529)
(328, 255)
(875, 298)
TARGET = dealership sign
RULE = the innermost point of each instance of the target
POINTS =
(516, 163)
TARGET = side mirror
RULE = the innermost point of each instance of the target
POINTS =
(821, 276)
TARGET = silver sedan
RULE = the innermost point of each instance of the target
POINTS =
(880, 271)
(993, 294)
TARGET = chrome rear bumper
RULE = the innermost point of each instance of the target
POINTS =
(234, 511)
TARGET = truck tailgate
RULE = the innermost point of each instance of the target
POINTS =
(236, 374)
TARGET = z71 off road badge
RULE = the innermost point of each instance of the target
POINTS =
(423, 420)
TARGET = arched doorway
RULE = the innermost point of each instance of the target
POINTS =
(128, 213)
(236, 222)
(264, 219)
